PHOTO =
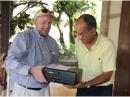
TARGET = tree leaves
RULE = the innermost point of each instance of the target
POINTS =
(73, 10)
(22, 20)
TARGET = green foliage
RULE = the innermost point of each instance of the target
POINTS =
(21, 22)
(22, 19)
(73, 10)
(65, 51)
(70, 7)
(56, 21)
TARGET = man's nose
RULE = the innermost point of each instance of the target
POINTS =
(47, 25)
(79, 36)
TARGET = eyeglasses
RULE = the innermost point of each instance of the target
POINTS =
(47, 11)
(80, 34)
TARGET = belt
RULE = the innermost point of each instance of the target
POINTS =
(30, 87)
(100, 86)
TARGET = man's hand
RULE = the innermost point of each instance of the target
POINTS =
(104, 77)
(36, 72)
(79, 85)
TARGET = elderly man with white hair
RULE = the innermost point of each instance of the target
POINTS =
(31, 50)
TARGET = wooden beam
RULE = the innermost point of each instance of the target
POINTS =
(5, 25)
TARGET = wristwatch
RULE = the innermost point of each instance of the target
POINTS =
(88, 86)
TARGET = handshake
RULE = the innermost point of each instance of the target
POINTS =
(70, 76)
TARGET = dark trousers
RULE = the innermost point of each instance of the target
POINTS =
(96, 91)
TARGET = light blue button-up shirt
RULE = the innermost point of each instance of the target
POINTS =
(30, 49)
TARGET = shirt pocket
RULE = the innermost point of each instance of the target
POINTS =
(96, 66)
(47, 57)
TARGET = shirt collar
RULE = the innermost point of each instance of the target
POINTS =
(39, 36)
(97, 42)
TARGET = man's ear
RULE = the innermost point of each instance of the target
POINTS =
(94, 30)
(33, 21)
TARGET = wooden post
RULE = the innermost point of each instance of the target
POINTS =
(5, 25)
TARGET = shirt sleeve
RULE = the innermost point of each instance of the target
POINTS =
(109, 57)
(16, 53)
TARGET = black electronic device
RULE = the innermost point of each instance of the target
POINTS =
(67, 77)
